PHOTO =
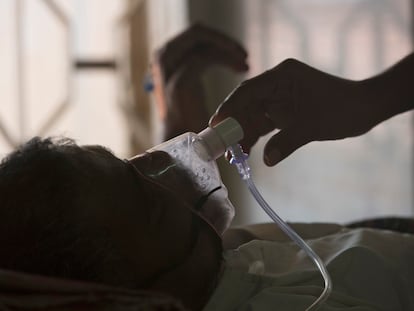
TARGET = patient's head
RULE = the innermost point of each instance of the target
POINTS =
(82, 213)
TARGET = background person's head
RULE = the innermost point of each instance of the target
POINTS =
(82, 213)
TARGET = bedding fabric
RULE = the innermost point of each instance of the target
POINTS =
(371, 270)
(23, 292)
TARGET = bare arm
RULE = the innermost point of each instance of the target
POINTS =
(309, 105)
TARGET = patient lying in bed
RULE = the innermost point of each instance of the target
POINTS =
(81, 213)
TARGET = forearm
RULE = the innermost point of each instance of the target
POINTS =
(392, 92)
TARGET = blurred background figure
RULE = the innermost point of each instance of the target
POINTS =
(81, 69)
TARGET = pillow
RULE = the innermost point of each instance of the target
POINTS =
(22, 291)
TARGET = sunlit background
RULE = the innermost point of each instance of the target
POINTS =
(75, 68)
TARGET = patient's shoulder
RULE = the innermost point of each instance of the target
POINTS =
(236, 236)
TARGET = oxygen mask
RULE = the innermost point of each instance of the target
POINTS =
(189, 167)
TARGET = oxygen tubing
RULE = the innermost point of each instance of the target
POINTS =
(239, 159)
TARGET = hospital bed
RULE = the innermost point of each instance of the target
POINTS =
(20, 291)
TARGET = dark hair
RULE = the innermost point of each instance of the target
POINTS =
(41, 189)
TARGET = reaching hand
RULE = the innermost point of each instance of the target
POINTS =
(309, 105)
(178, 70)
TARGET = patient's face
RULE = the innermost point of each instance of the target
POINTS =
(154, 227)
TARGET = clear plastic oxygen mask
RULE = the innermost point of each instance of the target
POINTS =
(194, 155)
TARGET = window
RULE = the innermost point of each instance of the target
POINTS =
(76, 68)
(48, 85)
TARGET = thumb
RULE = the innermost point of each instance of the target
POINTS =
(285, 142)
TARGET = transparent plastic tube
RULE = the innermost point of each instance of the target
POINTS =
(239, 159)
